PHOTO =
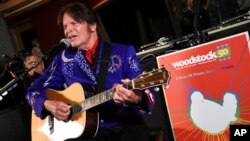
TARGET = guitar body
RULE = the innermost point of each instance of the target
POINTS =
(84, 120)
(81, 124)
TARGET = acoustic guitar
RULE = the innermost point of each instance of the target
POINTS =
(83, 121)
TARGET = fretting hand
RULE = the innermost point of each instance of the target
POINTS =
(125, 96)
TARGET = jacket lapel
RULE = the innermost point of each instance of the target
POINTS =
(84, 65)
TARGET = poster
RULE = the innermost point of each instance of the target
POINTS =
(209, 88)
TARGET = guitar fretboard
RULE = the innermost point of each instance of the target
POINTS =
(144, 81)
(97, 99)
(147, 80)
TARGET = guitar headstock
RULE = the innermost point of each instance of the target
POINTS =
(153, 78)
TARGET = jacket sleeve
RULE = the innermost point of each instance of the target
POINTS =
(36, 93)
(134, 70)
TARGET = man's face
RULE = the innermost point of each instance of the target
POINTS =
(80, 34)
(30, 61)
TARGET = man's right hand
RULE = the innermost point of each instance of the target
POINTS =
(58, 109)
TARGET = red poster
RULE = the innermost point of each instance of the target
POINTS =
(209, 88)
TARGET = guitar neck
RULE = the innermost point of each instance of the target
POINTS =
(146, 80)
(98, 99)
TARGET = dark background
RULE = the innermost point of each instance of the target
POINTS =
(136, 22)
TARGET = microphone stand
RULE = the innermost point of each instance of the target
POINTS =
(10, 84)
(217, 3)
(51, 52)
(196, 24)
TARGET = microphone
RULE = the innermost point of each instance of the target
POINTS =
(64, 43)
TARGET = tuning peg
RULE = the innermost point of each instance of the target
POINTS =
(166, 86)
(147, 91)
(5, 93)
(156, 89)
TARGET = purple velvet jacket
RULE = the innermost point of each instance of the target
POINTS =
(70, 65)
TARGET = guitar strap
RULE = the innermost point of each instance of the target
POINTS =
(104, 63)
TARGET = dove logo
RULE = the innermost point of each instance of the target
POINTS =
(211, 116)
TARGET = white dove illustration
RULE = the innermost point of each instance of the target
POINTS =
(211, 116)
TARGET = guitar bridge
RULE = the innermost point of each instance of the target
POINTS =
(51, 123)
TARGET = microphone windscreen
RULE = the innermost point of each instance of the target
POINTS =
(65, 41)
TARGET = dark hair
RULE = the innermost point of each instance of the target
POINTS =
(80, 13)
(23, 54)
